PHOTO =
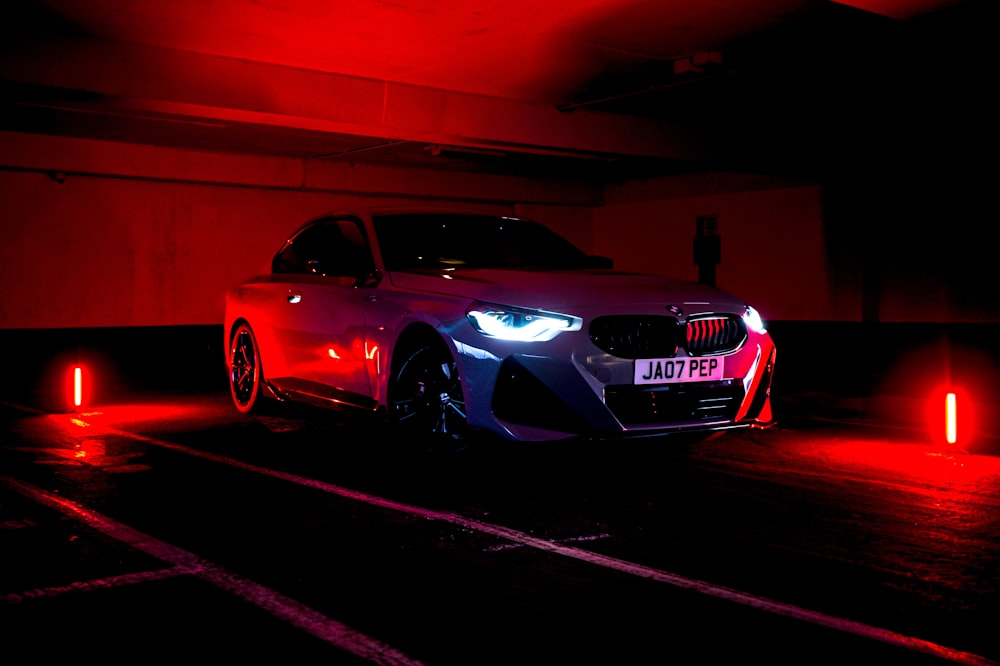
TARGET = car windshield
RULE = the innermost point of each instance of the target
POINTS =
(432, 241)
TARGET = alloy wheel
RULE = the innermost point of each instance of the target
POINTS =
(244, 369)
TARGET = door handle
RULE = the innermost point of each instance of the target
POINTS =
(294, 297)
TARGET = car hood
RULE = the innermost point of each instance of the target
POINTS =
(563, 289)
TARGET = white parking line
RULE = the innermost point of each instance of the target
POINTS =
(274, 602)
(517, 537)
(97, 584)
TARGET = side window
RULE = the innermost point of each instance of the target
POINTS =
(332, 247)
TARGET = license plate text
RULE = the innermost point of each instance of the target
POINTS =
(671, 370)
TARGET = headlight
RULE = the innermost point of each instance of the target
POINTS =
(508, 323)
(753, 321)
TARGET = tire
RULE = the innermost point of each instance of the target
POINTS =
(426, 398)
(245, 375)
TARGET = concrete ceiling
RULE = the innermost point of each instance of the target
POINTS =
(602, 88)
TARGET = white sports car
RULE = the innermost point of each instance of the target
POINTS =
(450, 322)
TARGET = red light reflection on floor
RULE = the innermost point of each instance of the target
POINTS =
(117, 416)
(919, 462)
(933, 509)
(86, 441)
(935, 487)
(940, 502)
(90, 449)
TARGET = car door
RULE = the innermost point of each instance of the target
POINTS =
(321, 325)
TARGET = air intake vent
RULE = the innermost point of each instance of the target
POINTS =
(705, 402)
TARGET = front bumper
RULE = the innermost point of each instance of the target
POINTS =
(541, 398)
(583, 383)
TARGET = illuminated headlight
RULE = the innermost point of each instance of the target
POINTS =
(753, 321)
(507, 323)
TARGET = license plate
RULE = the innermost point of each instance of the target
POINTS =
(674, 370)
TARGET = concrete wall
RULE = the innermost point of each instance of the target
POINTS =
(96, 251)
(771, 239)
(107, 235)
(112, 235)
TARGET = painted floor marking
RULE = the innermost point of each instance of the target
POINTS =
(97, 584)
(624, 566)
(274, 602)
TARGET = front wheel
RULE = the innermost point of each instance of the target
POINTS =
(244, 370)
(425, 396)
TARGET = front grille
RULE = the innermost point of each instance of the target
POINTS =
(707, 402)
(637, 336)
(715, 335)
(655, 336)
